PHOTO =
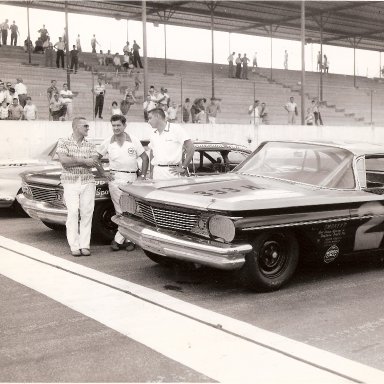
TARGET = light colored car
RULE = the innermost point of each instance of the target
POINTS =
(287, 200)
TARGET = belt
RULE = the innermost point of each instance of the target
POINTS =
(115, 170)
(167, 165)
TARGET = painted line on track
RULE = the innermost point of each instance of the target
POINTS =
(220, 347)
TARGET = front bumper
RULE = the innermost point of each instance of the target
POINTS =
(6, 201)
(43, 211)
(180, 246)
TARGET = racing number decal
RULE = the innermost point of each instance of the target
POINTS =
(224, 190)
(370, 234)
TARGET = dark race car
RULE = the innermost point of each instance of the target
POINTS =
(287, 200)
(42, 196)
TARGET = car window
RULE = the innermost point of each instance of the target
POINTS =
(374, 171)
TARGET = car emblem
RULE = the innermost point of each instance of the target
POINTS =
(331, 254)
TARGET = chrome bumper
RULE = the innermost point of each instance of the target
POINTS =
(6, 201)
(183, 247)
(43, 211)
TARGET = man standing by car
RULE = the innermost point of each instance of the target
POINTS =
(167, 143)
(77, 157)
(123, 151)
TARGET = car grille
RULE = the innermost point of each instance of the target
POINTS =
(48, 195)
(168, 219)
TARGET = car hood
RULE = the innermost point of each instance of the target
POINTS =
(13, 170)
(237, 192)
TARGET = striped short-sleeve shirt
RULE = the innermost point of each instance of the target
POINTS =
(69, 147)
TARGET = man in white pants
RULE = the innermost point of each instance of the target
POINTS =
(78, 156)
(167, 143)
(123, 151)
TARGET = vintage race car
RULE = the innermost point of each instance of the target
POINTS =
(287, 200)
(42, 196)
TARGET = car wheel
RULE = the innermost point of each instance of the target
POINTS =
(103, 228)
(55, 227)
(162, 260)
(272, 262)
(18, 208)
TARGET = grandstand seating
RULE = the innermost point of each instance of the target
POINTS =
(343, 104)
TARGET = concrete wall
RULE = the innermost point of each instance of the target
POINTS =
(21, 140)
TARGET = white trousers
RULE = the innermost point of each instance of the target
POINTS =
(163, 173)
(120, 178)
(79, 198)
(69, 113)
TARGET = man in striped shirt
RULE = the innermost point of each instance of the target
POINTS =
(77, 157)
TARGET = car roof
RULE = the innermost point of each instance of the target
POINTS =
(357, 148)
(219, 145)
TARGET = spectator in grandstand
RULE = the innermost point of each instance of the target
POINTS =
(127, 102)
(254, 113)
(74, 55)
(15, 110)
(57, 107)
(28, 45)
(100, 57)
(319, 61)
(126, 48)
(163, 99)
(186, 110)
(52, 90)
(67, 96)
(4, 31)
(39, 46)
(3, 91)
(115, 110)
(10, 94)
(172, 112)
(43, 33)
(117, 62)
(244, 72)
(315, 108)
(99, 92)
(264, 114)
(238, 66)
(254, 61)
(230, 60)
(126, 61)
(326, 64)
(30, 110)
(285, 59)
(167, 144)
(309, 117)
(145, 108)
(60, 47)
(4, 110)
(47, 43)
(78, 43)
(136, 55)
(14, 33)
(22, 91)
(212, 110)
(153, 98)
(291, 108)
(198, 111)
(108, 58)
(93, 44)
(137, 82)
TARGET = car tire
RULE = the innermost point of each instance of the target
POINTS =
(162, 260)
(54, 226)
(103, 228)
(272, 261)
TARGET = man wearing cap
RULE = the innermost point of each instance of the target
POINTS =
(15, 110)
(123, 151)
(167, 143)
(21, 90)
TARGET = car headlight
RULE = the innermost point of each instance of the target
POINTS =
(222, 227)
(128, 204)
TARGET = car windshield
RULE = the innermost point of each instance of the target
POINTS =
(323, 166)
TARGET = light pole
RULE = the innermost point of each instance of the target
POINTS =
(29, 35)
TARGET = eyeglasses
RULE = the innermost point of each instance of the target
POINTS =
(84, 125)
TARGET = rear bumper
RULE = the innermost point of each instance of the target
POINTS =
(43, 211)
(181, 246)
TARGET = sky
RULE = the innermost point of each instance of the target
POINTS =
(112, 34)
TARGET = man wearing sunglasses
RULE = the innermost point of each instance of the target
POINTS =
(77, 157)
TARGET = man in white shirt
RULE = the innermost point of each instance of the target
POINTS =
(291, 108)
(30, 110)
(4, 31)
(60, 46)
(123, 151)
(99, 92)
(167, 143)
(21, 91)
(254, 113)
(67, 96)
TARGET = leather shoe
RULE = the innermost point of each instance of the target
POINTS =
(76, 253)
(130, 246)
(85, 252)
(115, 246)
